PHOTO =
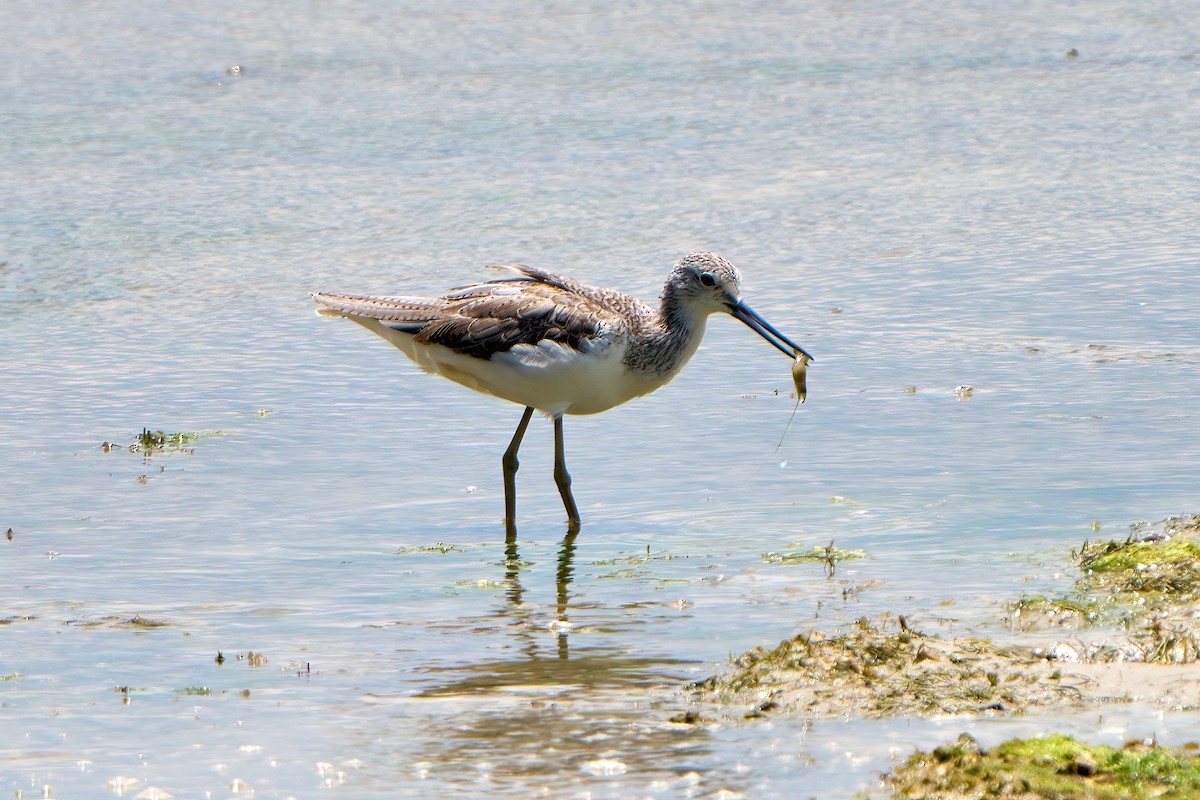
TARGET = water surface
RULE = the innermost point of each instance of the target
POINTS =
(925, 195)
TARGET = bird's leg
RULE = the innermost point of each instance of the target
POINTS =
(562, 477)
(510, 464)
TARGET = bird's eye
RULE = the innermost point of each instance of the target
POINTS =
(708, 279)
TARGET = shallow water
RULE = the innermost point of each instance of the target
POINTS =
(924, 196)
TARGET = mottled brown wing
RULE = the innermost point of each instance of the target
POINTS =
(494, 317)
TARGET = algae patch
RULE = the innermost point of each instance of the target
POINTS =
(1147, 587)
(1137, 600)
(887, 669)
(150, 443)
(441, 548)
(1055, 766)
(827, 555)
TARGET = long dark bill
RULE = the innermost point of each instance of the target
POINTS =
(744, 313)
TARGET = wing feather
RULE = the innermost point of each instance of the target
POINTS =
(490, 319)
(484, 319)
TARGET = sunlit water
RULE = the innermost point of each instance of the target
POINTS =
(924, 195)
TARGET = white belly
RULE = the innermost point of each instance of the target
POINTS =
(551, 378)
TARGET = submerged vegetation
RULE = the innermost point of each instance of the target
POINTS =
(149, 443)
(828, 555)
(1054, 766)
(441, 548)
(157, 440)
(1147, 584)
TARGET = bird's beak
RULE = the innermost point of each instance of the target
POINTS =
(744, 313)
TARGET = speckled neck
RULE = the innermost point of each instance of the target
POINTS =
(669, 339)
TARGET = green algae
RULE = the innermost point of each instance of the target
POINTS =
(149, 442)
(1149, 587)
(1061, 610)
(442, 548)
(815, 554)
(479, 583)
(1054, 766)
(1132, 557)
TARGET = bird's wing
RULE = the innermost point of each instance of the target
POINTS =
(498, 316)
(539, 275)
(484, 319)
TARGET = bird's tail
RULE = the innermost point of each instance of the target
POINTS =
(400, 313)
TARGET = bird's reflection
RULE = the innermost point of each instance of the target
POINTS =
(515, 592)
(595, 667)
(544, 711)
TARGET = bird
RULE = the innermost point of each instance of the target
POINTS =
(557, 345)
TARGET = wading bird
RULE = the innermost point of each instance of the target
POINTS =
(551, 343)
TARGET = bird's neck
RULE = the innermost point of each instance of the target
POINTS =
(668, 340)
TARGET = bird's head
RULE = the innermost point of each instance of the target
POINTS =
(708, 283)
